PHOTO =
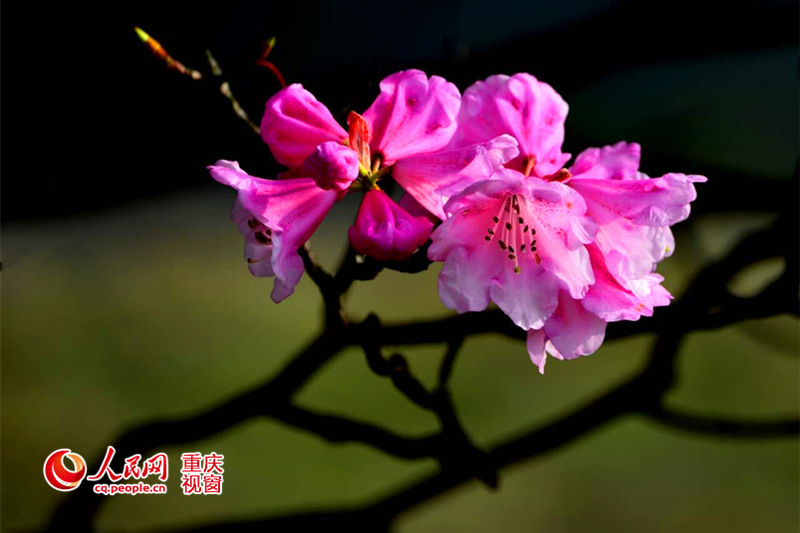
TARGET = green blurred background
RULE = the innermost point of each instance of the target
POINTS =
(148, 311)
(125, 297)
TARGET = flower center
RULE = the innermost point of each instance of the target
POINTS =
(513, 234)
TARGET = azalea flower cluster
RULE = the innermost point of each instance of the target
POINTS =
(561, 250)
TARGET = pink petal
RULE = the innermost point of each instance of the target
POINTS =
(466, 277)
(332, 165)
(433, 178)
(291, 209)
(523, 107)
(528, 297)
(573, 330)
(475, 274)
(536, 348)
(258, 245)
(385, 231)
(413, 115)
(294, 123)
(632, 251)
(501, 184)
(611, 301)
(618, 161)
(652, 202)
(556, 212)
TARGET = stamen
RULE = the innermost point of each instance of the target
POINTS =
(512, 231)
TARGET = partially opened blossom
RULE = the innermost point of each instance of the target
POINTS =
(283, 214)
(403, 134)
(630, 215)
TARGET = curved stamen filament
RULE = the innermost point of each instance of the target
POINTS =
(514, 234)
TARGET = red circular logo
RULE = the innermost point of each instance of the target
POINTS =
(58, 475)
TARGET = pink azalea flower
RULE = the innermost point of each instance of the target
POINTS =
(278, 216)
(633, 215)
(631, 212)
(516, 242)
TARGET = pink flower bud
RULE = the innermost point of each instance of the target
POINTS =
(331, 165)
(386, 231)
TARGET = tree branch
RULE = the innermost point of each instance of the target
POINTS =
(724, 427)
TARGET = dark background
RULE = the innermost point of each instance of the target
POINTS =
(125, 297)
(91, 119)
